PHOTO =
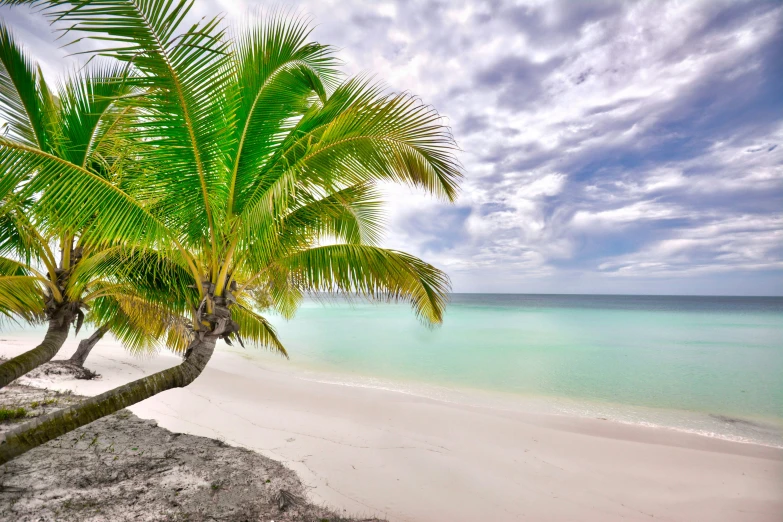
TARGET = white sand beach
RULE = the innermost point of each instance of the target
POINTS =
(407, 458)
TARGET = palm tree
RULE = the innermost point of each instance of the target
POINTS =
(255, 166)
(74, 124)
(71, 125)
(28, 108)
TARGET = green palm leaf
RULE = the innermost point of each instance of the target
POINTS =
(158, 277)
(141, 326)
(69, 197)
(85, 99)
(23, 297)
(357, 136)
(26, 104)
(184, 115)
(353, 215)
(12, 267)
(256, 329)
(18, 236)
(371, 272)
(277, 74)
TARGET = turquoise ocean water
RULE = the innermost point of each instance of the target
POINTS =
(709, 365)
(712, 365)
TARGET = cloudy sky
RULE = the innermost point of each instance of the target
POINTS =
(609, 147)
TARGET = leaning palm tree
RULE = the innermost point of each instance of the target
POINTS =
(254, 166)
(27, 107)
(71, 124)
(74, 123)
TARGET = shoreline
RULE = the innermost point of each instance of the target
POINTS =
(692, 422)
(549, 405)
(722, 425)
(357, 449)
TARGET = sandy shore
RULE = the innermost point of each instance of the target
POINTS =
(407, 458)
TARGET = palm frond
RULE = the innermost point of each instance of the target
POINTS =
(12, 267)
(26, 104)
(158, 277)
(369, 271)
(256, 329)
(141, 326)
(183, 76)
(22, 296)
(285, 291)
(352, 215)
(73, 198)
(19, 237)
(358, 135)
(85, 99)
(277, 73)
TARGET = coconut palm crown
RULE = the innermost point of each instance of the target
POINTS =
(253, 164)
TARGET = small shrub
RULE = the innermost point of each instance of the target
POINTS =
(13, 413)
(34, 404)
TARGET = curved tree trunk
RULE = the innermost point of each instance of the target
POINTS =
(21, 364)
(86, 346)
(50, 426)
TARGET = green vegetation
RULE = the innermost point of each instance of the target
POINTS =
(217, 178)
(12, 413)
(45, 402)
(72, 124)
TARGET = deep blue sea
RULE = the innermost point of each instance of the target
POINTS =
(712, 365)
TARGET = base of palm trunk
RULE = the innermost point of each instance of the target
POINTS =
(62, 370)
(55, 337)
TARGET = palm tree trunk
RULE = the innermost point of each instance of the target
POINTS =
(48, 427)
(21, 364)
(86, 346)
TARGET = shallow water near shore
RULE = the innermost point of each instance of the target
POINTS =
(708, 365)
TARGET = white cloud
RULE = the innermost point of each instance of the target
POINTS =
(579, 121)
